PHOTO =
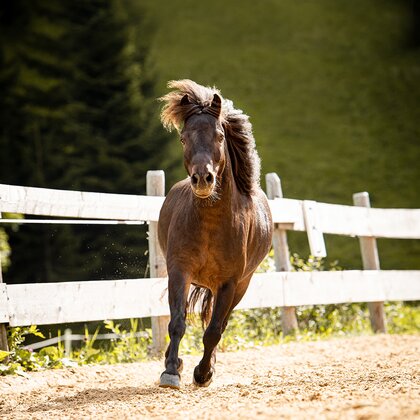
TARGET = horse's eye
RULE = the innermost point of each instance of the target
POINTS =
(182, 141)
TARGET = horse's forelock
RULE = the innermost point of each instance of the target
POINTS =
(177, 109)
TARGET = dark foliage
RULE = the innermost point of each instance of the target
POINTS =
(77, 112)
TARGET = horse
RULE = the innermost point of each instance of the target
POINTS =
(215, 227)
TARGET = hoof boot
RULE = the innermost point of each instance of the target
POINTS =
(169, 381)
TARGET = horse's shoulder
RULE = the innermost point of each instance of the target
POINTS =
(262, 210)
(176, 200)
(179, 190)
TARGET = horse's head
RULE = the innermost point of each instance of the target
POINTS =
(196, 112)
(203, 138)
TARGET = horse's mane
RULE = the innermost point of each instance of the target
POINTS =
(238, 130)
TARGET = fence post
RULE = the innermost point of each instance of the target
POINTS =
(3, 332)
(370, 258)
(156, 186)
(281, 253)
(67, 342)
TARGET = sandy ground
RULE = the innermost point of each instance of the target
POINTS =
(358, 378)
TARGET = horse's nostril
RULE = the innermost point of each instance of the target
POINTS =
(209, 178)
(195, 178)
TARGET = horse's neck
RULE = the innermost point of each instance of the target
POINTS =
(228, 191)
(227, 184)
(228, 179)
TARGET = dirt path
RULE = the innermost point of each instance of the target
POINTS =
(359, 378)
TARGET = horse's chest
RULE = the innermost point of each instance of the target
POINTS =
(220, 254)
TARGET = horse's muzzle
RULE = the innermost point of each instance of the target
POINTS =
(203, 184)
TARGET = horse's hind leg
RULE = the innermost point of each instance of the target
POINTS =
(178, 291)
(221, 310)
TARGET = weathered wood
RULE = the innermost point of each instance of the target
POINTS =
(156, 187)
(67, 342)
(349, 220)
(62, 203)
(315, 235)
(286, 211)
(4, 310)
(333, 218)
(370, 260)
(313, 288)
(281, 253)
(3, 319)
(70, 222)
(70, 302)
(56, 303)
(366, 221)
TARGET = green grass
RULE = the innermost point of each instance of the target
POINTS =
(262, 327)
(246, 329)
(332, 90)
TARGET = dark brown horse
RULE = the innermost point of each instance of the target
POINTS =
(215, 227)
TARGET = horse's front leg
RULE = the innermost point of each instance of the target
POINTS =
(178, 287)
(222, 308)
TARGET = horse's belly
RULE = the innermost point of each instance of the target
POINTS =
(215, 272)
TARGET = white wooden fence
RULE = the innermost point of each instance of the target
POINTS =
(52, 303)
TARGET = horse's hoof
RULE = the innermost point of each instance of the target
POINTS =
(199, 380)
(203, 384)
(169, 381)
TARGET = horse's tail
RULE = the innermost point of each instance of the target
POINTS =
(206, 297)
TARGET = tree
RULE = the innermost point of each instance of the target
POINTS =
(37, 95)
(85, 119)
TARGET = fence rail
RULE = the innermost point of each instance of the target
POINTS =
(56, 303)
(51, 303)
(68, 337)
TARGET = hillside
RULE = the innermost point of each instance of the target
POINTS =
(332, 89)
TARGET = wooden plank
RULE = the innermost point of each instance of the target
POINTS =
(287, 211)
(62, 203)
(369, 249)
(350, 220)
(4, 311)
(328, 287)
(351, 286)
(281, 253)
(4, 345)
(53, 303)
(156, 187)
(265, 290)
(315, 235)
(370, 258)
(333, 218)
(375, 222)
(4, 319)
(70, 222)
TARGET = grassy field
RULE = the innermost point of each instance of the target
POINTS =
(332, 89)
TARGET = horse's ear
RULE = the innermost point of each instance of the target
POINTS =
(216, 104)
(185, 100)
